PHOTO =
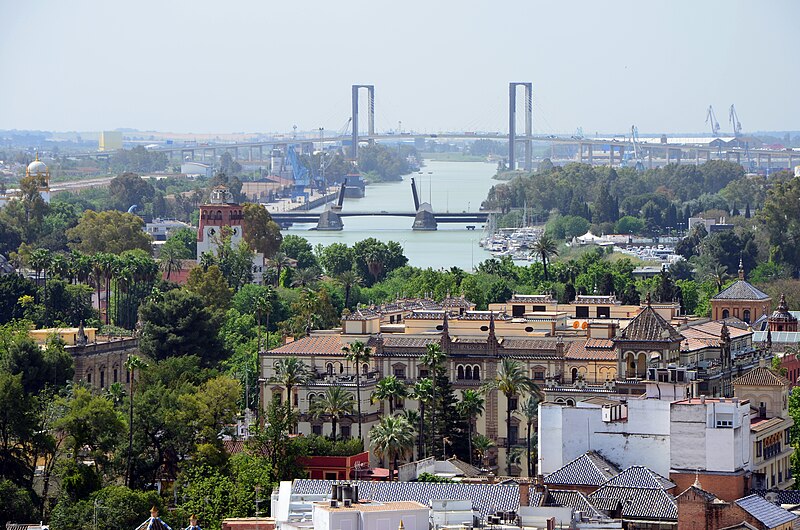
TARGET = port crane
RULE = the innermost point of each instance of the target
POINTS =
(734, 120)
(636, 158)
(710, 117)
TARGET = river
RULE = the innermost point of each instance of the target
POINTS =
(454, 187)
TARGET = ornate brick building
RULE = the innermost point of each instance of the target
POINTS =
(740, 300)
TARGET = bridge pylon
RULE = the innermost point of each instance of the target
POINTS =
(370, 115)
(512, 125)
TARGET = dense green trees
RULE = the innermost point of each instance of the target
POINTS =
(603, 195)
(180, 323)
(108, 231)
(382, 163)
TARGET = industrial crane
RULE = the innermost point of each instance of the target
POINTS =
(710, 117)
(635, 158)
(734, 120)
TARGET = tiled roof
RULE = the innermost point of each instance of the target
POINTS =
(511, 343)
(313, 345)
(390, 341)
(783, 496)
(649, 326)
(457, 301)
(640, 477)
(761, 376)
(466, 469)
(536, 498)
(426, 315)
(763, 424)
(589, 469)
(596, 352)
(693, 344)
(713, 329)
(599, 343)
(637, 503)
(532, 298)
(486, 498)
(362, 314)
(741, 290)
(710, 497)
(770, 515)
(572, 499)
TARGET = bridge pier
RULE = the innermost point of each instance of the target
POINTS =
(425, 220)
(329, 221)
(591, 154)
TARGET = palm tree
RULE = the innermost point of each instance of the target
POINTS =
(482, 444)
(132, 364)
(335, 402)
(40, 261)
(349, 279)
(392, 438)
(530, 410)
(545, 247)
(60, 266)
(263, 306)
(511, 380)
(423, 392)
(81, 267)
(279, 262)
(116, 393)
(390, 389)
(719, 273)
(305, 277)
(433, 358)
(358, 353)
(470, 407)
(171, 259)
(290, 372)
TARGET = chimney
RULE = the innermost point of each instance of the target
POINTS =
(524, 493)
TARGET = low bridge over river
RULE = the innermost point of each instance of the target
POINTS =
(424, 216)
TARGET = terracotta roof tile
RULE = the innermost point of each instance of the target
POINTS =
(313, 345)
(761, 376)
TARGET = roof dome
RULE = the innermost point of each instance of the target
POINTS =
(37, 167)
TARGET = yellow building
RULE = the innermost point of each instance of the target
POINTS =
(70, 336)
(110, 141)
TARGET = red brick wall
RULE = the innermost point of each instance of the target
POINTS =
(695, 512)
(726, 487)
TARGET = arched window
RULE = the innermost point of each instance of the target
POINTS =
(364, 369)
(468, 372)
(311, 398)
(746, 315)
(570, 402)
(574, 374)
(460, 372)
(725, 313)
(329, 368)
(476, 373)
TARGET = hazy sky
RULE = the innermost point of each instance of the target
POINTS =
(230, 66)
